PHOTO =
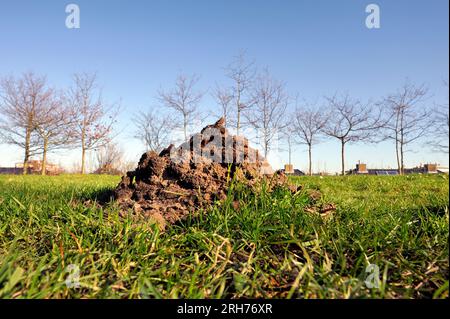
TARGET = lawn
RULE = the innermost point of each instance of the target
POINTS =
(57, 242)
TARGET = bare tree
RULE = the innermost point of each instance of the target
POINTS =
(153, 130)
(407, 119)
(441, 136)
(55, 127)
(22, 100)
(287, 133)
(183, 99)
(95, 118)
(440, 140)
(350, 121)
(308, 124)
(224, 99)
(127, 166)
(268, 111)
(109, 158)
(242, 73)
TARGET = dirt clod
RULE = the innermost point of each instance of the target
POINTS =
(179, 181)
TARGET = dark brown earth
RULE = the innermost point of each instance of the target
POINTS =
(168, 188)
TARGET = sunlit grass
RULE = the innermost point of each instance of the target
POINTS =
(270, 247)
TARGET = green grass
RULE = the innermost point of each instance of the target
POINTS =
(270, 247)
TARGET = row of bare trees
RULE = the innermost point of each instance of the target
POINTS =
(252, 99)
(40, 119)
(401, 117)
(256, 99)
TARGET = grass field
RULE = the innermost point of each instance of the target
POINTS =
(270, 247)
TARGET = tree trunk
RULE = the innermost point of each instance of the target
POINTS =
(83, 153)
(238, 104)
(290, 153)
(27, 150)
(402, 140)
(310, 160)
(343, 157)
(225, 116)
(238, 125)
(83, 166)
(185, 128)
(402, 164)
(25, 163)
(266, 149)
(397, 153)
(44, 157)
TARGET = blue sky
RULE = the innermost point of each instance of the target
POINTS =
(317, 47)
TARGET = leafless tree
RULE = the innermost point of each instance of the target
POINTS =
(308, 123)
(153, 130)
(440, 137)
(242, 73)
(267, 113)
(351, 121)
(95, 118)
(22, 101)
(109, 158)
(183, 99)
(127, 166)
(54, 126)
(287, 133)
(408, 119)
(224, 99)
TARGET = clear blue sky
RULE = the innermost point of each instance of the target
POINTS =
(318, 47)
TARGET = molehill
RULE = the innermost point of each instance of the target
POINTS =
(181, 180)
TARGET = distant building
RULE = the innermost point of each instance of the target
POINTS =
(11, 170)
(423, 169)
(34, 167)
(361, 169)
(290, 170)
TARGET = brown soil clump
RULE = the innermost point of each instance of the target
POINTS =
(179, 181)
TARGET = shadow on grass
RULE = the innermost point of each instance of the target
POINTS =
(101, 196)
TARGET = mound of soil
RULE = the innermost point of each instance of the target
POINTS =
(181, 180)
